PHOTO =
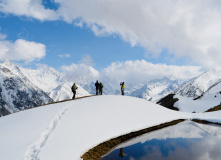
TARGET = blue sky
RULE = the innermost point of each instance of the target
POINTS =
(62, 38)
(107, 34)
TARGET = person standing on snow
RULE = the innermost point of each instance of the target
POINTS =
(122, 88)
(74, 89)
(100, 88)
(97, 87)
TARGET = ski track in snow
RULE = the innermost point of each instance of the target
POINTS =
(34, 149)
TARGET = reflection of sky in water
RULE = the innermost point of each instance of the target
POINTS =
(173, 149)
(199, 148)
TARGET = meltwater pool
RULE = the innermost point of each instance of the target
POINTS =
(185, 141)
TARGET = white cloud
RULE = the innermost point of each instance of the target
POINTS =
(133, 72)
(64, 55)
(143, 71)
(185, 28)
(80, 73)
(22, 50)
(2, 36)
(28, 8)
(87, 60)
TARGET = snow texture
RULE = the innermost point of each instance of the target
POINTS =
(34, 149)
(205, 88)
(22, 88)
(67, 130)
(158, 88)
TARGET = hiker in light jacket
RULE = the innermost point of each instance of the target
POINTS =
(74, 89)
(97, 87)
(122, 88)
(100, 88)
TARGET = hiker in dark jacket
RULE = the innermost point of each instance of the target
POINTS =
(100, 88)
(74, 89)
(122, 88)
(97, 87)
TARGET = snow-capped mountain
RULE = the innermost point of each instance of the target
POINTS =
(158, 88)
(63, 91)
(200, 93)
(201, 84)
(53, 83)
(17, 92)
(23, 88)
(111, 87)
(152, 91)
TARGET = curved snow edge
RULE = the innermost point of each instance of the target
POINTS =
(102, 149)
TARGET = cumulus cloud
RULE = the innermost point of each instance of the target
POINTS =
(80, 73)
(132, 72)
(143, 71)
(28, 8)
(185, 28)
(22, 50)
(87, 60)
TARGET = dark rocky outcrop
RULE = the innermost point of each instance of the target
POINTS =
(216, 108)
(168, 102)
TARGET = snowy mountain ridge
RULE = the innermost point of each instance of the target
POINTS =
(52, 86)
(201, 84)
(200, 93)
(23, 88)
(18, 93)
(152, 90)
(158, 88)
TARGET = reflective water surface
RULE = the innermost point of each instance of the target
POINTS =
(197, 143)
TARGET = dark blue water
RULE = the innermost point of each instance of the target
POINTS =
(170, 148)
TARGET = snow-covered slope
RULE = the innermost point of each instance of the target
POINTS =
(23, 88)
(199, 85)
(67, 130)
(200, 93)
(17, 92)
(158, 88)
(52, 82)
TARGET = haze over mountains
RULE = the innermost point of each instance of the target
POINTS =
(23, 88)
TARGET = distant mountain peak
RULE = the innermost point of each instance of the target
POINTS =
(201, 84)
(169, 76)
(7, 62)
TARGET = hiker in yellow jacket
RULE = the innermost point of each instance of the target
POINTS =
(122, 88)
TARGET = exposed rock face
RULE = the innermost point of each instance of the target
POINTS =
(168, 102)
(22, 88)
(18, 93)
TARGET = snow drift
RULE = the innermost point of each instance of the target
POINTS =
(67, 130)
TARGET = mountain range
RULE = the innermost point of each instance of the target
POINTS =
(157, 88)
(23, 88)
(202, 92)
